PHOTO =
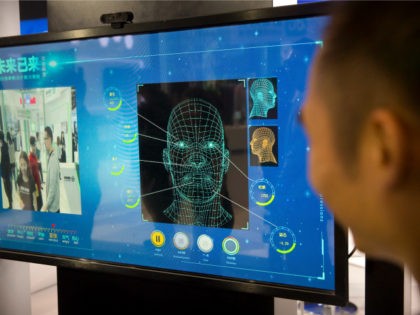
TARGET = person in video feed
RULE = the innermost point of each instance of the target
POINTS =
(12, 155)
(26, 184)
(38, 154)
(6, 169)
(52, 182)
(197, 160)
(33, 163)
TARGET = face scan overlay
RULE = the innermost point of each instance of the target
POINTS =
(197, 161)
(262, 143)
(263, 97)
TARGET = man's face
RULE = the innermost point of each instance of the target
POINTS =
(47, 141)
(342, 192)
(196, 156)
(255, 144)
(261, 141)
(354, 191)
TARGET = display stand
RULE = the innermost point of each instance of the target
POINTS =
(384, 288)
(93, 292)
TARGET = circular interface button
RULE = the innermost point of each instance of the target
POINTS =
(283, 240)
(130, 198)
(112, 99)
(157, 238)
(230, 245)
(262, 192)
(181, 240)
(117, 167)
(205, 243)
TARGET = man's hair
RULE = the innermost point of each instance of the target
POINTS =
(32, 141)
(1, 135)
(370, 59)
(49, 132)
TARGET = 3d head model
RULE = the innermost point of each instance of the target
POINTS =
(197, 160)
(262, 143)
(263, 97)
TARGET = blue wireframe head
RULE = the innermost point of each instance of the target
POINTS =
(196, 156)
(263, 97)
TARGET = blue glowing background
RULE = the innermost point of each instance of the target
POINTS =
(289, 239)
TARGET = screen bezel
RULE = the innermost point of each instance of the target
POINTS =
(338, 297)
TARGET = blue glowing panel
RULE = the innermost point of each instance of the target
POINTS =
(183, 151)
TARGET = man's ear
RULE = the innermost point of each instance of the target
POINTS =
(390, 152)
(166, 161)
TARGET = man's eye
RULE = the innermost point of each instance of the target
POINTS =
(181, 145)
(211, 145)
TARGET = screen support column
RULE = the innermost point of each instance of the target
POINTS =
(84, 291)
(384, 288)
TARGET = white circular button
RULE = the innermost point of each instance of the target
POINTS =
(205, 243)
(181, 240)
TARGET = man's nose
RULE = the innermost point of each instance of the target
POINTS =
(197, 159)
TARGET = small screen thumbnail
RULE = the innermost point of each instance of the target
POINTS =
(39, 150)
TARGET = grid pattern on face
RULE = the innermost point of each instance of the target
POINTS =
(195, 142)
(262, 144)
(263, 97)
(196, 159)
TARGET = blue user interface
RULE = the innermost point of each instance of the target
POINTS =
(177, 150)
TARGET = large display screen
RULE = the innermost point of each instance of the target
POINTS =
(175, 150)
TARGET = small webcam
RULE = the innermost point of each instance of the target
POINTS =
(117, 20)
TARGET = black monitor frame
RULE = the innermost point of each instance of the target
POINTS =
(339, 297)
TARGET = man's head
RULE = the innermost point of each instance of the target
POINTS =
(196, 156)
(48, 138)
(262, 142)
(32, 142)
(263, 97)
(362, 118)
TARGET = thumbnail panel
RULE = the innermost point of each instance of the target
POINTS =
(39, 150)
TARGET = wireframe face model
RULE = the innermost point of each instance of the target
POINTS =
(263, 97)
(262, 143)
(197, 161)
